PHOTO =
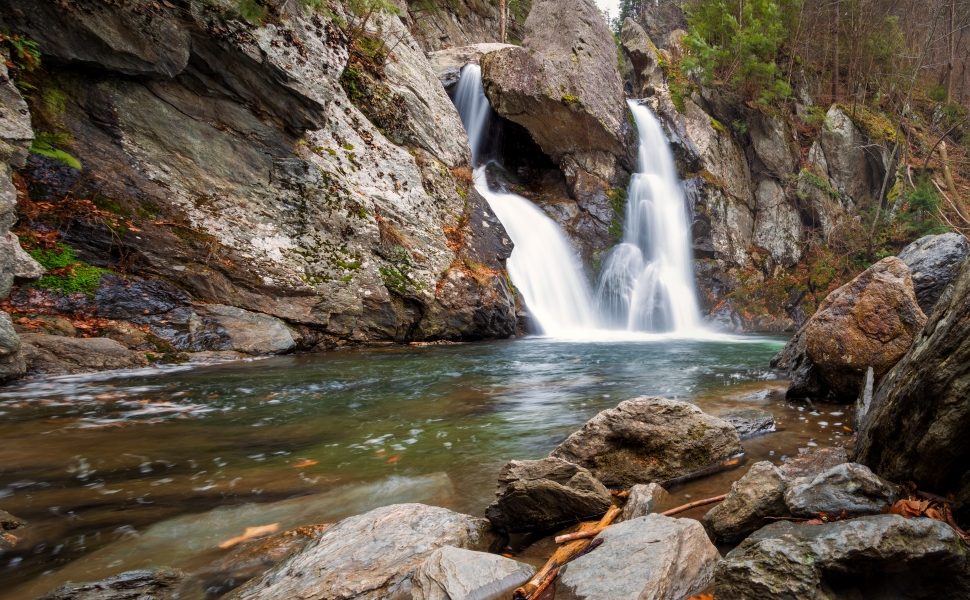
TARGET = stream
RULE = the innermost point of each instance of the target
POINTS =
(137, 469)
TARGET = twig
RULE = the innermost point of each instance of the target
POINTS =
(582, 535)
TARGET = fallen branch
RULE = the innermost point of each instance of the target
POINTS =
(590, 533)
(545, 576)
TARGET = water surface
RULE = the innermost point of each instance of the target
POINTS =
(149, 468)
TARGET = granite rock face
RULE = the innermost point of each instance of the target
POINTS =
(257, 181)
(648, 440)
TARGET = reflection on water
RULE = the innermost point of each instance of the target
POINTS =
(89, 461)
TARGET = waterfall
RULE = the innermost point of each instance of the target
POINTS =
(647, 283)
(543, 266)
(647, 280)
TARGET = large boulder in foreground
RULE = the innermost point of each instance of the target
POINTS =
(652, 557)
(538, 495)
(646, 440)
(869, 322)
(934, 261)
(370, 556)
(916, 428)
(451, 573)
(883, 556)
(749, 505)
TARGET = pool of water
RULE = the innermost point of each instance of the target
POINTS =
(145, 468)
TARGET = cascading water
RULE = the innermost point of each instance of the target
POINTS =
(543, 265)
(647, 282)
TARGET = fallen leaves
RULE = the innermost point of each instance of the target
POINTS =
(250, 533)
(933, 508)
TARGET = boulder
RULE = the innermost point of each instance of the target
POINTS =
(777, 225)
(869, 322)
(652, 557)
(643, 500)
(750, 422)
(156, 584)
(804, 379)
(754, 498)
(849, 488)
(451, 573)
(934, 261)
(644, 57)
(220, 327)
(58, 355)
(12, 361)
(760, 493)
(371, 556)
(538, 495)
(647, 440)
(883, 556)
(916, 427)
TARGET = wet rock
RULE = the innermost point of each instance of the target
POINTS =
(537, 495)
(9, 523)
(224, 328)
(653, 557)
(648, 440)
(849, 488)
(805, 381)
(643, 500)
(777, 227)
(644, 57)
(869, 322)
(118, 298)
(159, 584)
(884, 556)
(750, 422)
(451, 573)
(810, 462)
(916, 428)
(370, 556)
(249, 560)
(58, 355)
(754, 498)
(934, 261)
(12, 361)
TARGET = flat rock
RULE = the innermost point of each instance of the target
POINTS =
(883, 556)
(57, 355)
(647, 440)
(157, 584)
(812, 461)
(371, 556)
(224, 328)
(935, 261)
(754, 498)
(750, 422)
(643, 500)
(652, 557)
(849, 488)
(537, 495)
(451, 573)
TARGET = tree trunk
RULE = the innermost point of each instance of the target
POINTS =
(835, 69)
(503, 20)
(951, 51)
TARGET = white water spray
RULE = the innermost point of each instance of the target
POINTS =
(647, 281)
